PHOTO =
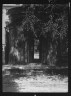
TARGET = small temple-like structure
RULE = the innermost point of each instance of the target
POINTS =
(29, 36)
(26, 35)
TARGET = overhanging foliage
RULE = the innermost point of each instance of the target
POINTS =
(31, 19)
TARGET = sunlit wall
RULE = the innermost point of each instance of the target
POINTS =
(5, 18)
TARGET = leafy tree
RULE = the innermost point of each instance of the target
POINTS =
(56, 26)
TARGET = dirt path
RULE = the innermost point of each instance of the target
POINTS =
(32, 78)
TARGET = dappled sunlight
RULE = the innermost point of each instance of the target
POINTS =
(42, 84)
(32, 78)
(35, 49)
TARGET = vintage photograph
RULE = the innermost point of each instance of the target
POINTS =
(35, 48)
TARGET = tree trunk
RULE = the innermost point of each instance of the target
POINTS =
(59, 53)
(7, 48)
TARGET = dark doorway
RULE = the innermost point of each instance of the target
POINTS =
(36, 50)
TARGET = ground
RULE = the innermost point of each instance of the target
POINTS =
(33, 78)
